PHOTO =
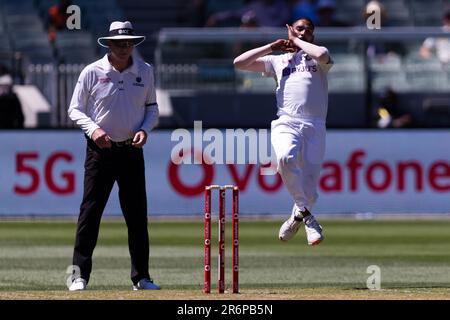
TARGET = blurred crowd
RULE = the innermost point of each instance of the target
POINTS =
(258, 13)
(388, 107)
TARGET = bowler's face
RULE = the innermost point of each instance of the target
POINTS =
(303, 30)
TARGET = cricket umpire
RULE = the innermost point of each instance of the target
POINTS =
(114, 103)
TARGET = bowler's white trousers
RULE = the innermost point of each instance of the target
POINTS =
(299, 146)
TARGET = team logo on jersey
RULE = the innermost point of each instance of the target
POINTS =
(138, 82)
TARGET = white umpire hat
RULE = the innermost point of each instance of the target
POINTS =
(121, 31)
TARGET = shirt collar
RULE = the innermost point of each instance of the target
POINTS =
(106, 65)
(109, 68)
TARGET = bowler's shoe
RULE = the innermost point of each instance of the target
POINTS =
(313, 231)
(291, 225)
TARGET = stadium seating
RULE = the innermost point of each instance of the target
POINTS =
(214, 6)
(346, 74)
(350, 11)
(387, 71)
(427, 13)
(30, 38)
(75, 46)
(14, 7)
(147, 18)
(207, 65)
(79, 46)
(425, 74)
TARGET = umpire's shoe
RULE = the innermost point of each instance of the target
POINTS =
(146, 284)
(78, 284)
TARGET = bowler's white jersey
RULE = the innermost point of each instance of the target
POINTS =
(302, 90)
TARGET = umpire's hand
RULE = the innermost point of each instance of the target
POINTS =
(101, 139)
(140, 138)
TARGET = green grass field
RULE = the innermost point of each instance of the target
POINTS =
(413, 256)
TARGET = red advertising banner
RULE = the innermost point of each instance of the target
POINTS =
(363, 172)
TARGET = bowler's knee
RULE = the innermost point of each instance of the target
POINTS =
(286, 161)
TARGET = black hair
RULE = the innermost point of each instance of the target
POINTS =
(305, 19)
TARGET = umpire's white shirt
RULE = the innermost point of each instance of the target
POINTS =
(121, 103)
(302, 90)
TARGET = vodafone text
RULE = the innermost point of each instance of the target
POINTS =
(356, 174)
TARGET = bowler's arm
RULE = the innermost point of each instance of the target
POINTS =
(318, 53)
(250, 60)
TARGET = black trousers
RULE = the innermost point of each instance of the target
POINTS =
(103, 167)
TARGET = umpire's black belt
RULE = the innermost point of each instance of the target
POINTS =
(120, 144)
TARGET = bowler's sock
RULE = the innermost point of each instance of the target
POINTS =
(305, 214)
(301, 214)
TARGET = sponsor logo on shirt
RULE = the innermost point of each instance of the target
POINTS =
(303, 68)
